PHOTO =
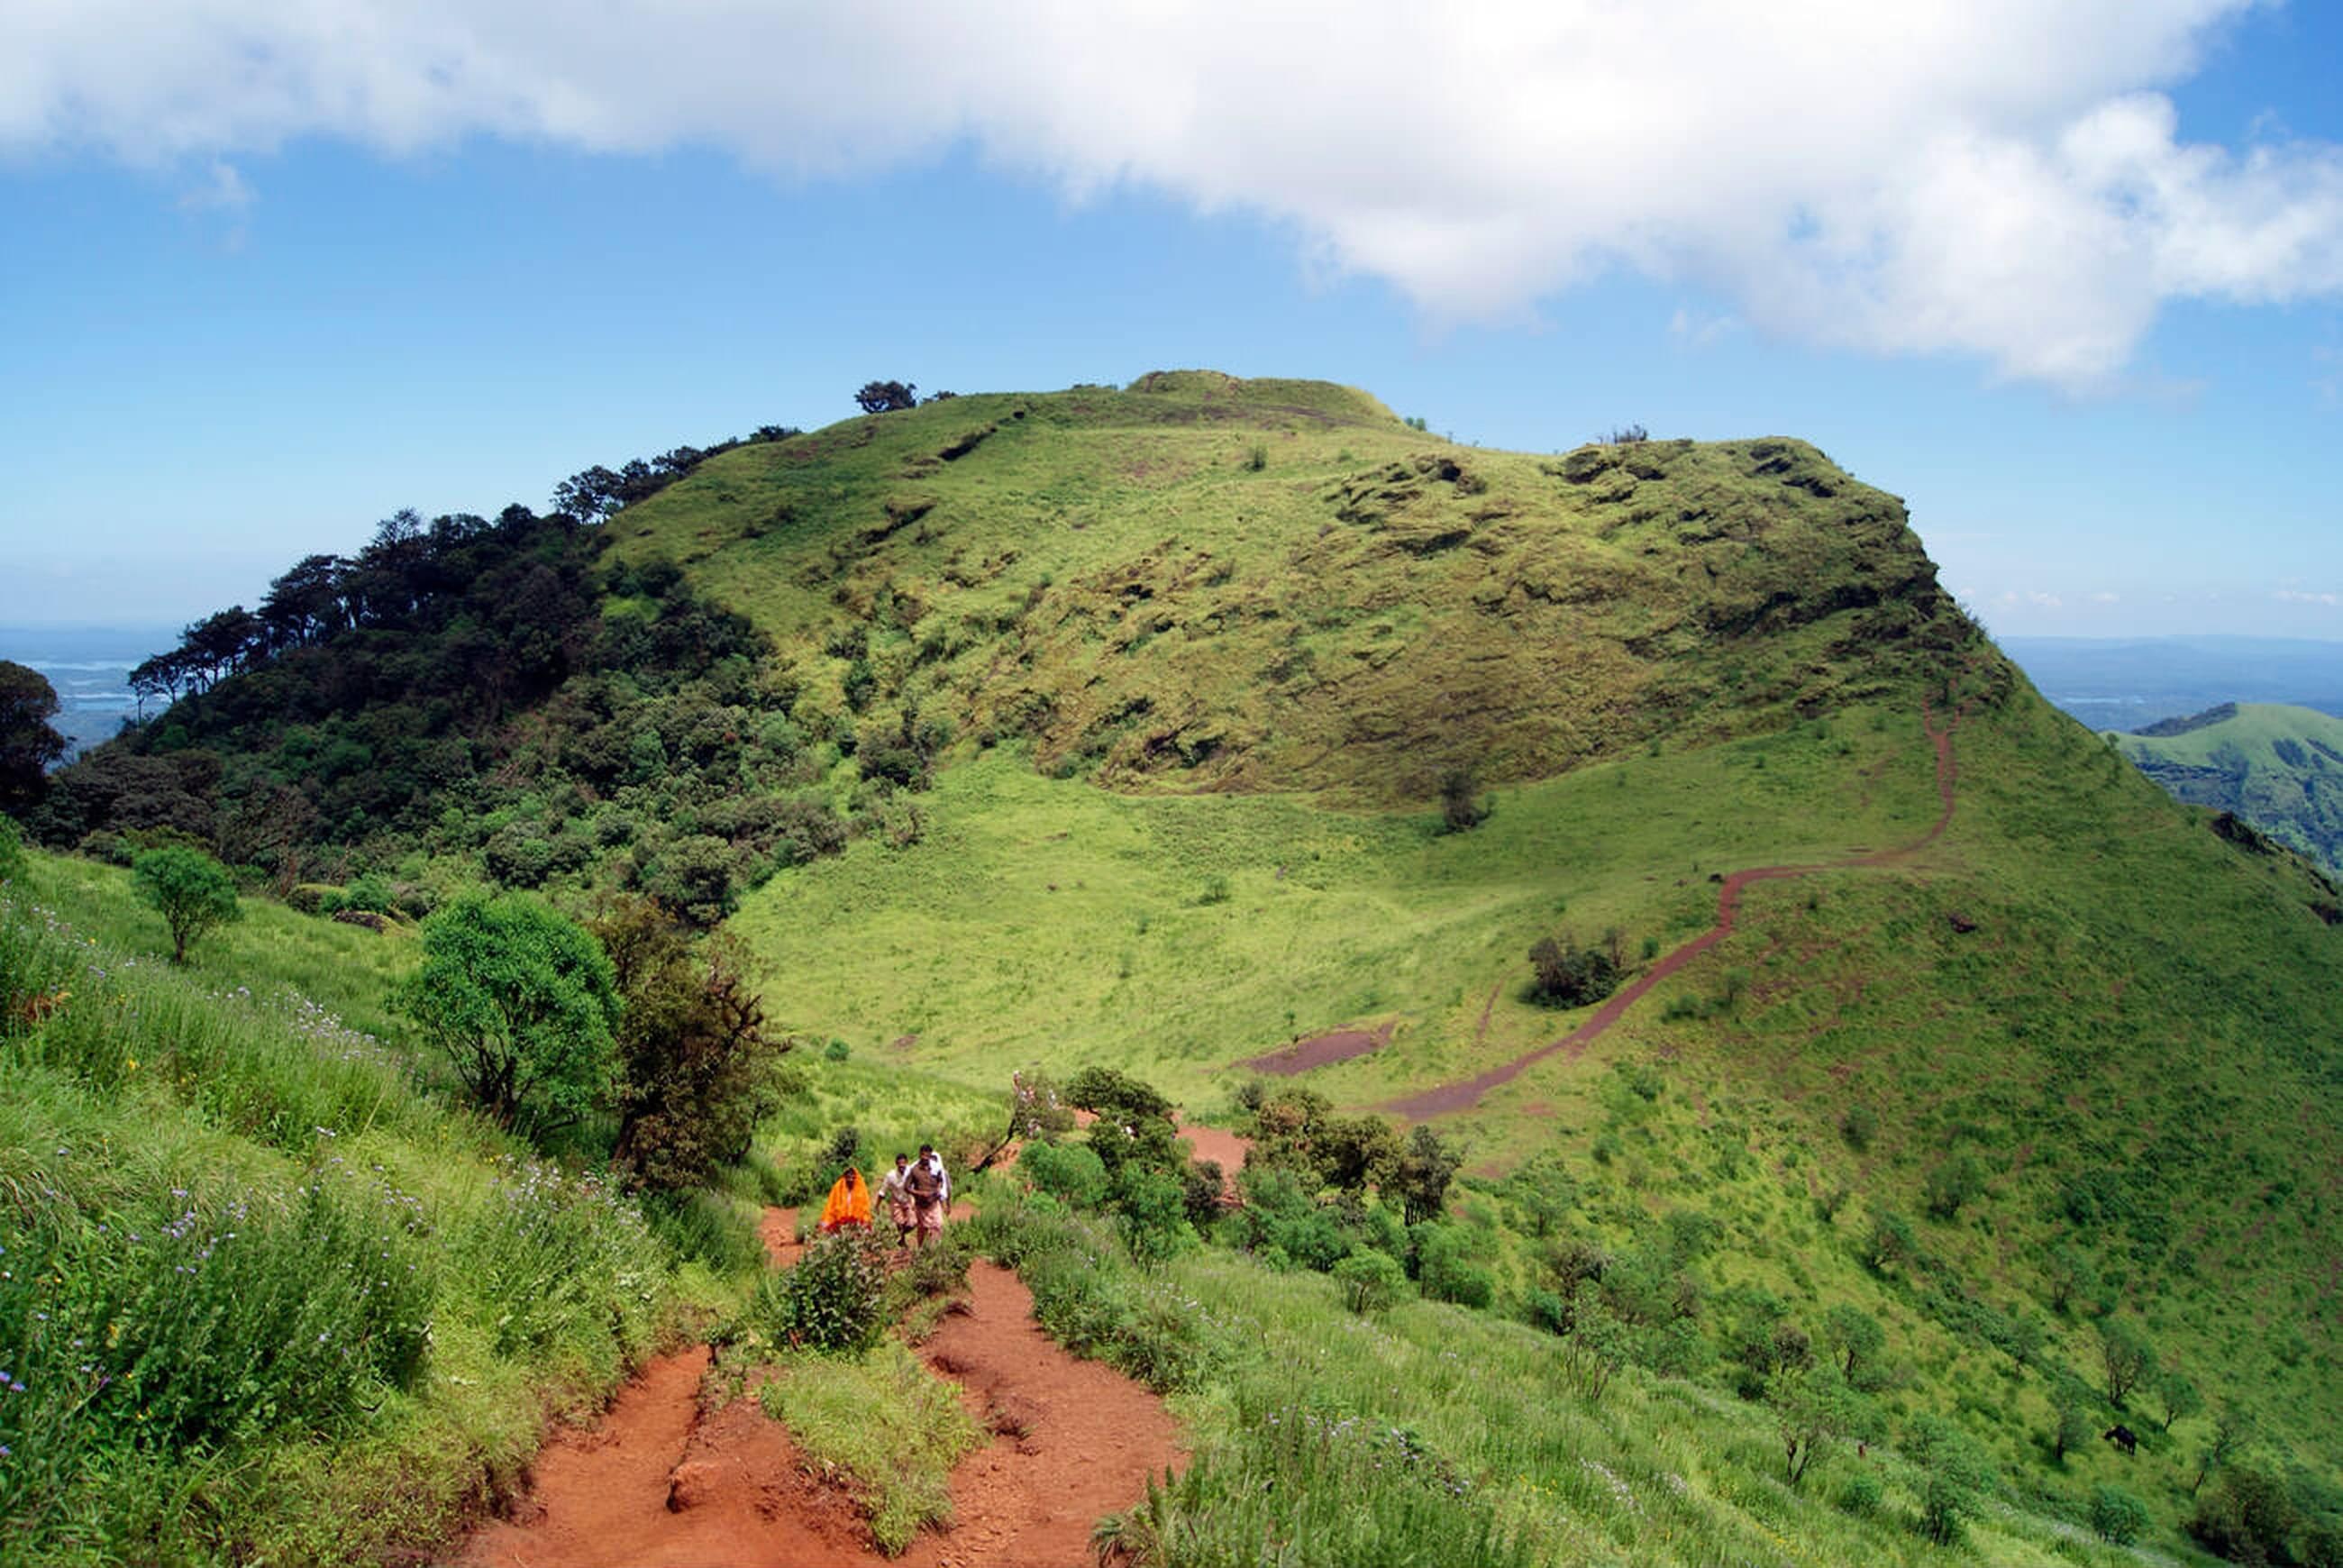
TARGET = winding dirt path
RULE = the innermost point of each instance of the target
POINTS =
(663, 1479)
(1466, 1093)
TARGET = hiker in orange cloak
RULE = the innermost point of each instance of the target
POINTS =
(848, 1204)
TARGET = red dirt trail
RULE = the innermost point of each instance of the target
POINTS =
(1466, 1093)
(659, 1481)
(1074, 1439)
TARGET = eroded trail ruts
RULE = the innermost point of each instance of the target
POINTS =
(1074, 1439)
(1466, 1093)
(604, 1496)
(657, 1481)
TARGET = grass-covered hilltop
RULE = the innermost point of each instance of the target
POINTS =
(2276, 766)
(1733, 1076)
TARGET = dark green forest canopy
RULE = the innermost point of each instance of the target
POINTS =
(429, 691)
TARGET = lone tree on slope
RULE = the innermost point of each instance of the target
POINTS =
(192, 892)
(525, 1004)
(886, 397)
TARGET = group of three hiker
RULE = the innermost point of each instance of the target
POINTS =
(917, 1194)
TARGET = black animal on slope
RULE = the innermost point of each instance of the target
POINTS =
(2123, 1437)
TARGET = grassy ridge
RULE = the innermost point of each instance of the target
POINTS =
(1195, 589)
(2280, 768)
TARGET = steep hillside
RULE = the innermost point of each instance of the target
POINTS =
(1201, 584)
(2277, 767)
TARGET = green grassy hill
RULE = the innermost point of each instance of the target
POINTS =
(2279, 768)
(1136, 712)
(1199, 670)
(1201, 584)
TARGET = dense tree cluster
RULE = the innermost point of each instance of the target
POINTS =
(592, 495)
(28, 742)
(456, 688)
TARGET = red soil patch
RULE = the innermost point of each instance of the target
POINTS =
(1462, 1096)
(609, 1496)
(1074, 1439)
(779, 1231)
(1323, 1049)
(1213, 1144)
(657, 1481)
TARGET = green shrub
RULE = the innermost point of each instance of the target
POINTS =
(831, 1299)
(12, 850)
(192, 892)
(522, 1002)
(1862, 1494)
(1570, 976)
(1371, 1281)
(1447, 1266)
(2118, 1516)
(1151, 1208)
(1956, 1473)
(1070, 1172)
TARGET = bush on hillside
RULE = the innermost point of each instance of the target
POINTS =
(2250, 1516)
(1568, 975)
(1955, 1474)
(886, 397)
(697, 1071)
(1953, 1183)
(1450, 1265)
(2118, 1517)
(1461, 807)
(1070, 1172)
(522, 1003)
(1371, 1281)
(192, 892)
(1420, 1180)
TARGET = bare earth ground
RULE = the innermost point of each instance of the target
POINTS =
(659, 1480)
(1320, 1050)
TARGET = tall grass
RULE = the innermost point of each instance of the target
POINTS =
(1431, 1433)
(261, 1296)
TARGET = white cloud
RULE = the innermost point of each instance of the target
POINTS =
(1990, 177)
(1692, 329)
(2298, 596)
(223, 190)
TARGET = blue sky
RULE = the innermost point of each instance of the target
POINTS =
(2071, 286)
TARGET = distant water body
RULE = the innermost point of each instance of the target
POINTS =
(90, 669)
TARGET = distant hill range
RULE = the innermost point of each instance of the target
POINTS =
(2276, 766)
(2127, 683)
